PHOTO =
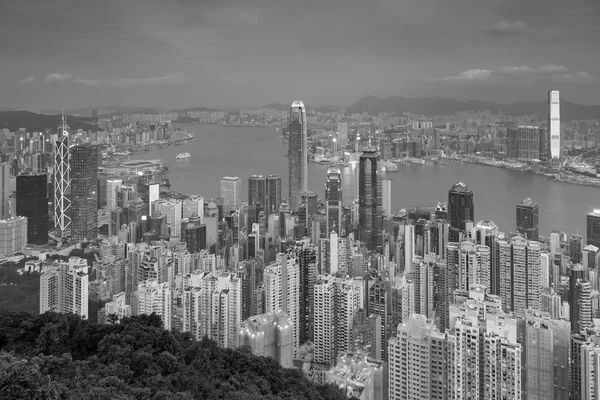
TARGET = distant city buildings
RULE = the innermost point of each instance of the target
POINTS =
(554, 124)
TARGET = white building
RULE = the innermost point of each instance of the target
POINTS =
(154, 297)
(13, 235)
(324, 303)
(172, 209)
(554, 123)
(386, 197)
(112, 188)
(231, 188)
(64, 288)
(270, 335)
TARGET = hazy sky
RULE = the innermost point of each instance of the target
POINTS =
(243, 53)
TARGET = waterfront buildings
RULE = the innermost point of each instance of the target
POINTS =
(460, 209)
(593, 228)
(525, 143)
(84, 197)
(231, 187)
(554, 124)
(297, 154)
(528, 219)
(32, 203)
(370, 219)
(257, 191)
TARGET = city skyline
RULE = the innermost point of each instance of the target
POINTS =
(232, 51)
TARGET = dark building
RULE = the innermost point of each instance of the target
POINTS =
(257, 190)
(593, 228)
(273, 193)
(576, 248)
(307, 259)
(525, 143)
(528, 219)
(579, 300)
(194, 235)
(333, 201)
(370, 215)
(32, 203)
(460, 209)
(84, 197)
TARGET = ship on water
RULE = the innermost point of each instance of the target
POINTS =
(183, 156)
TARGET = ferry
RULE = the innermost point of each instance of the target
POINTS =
(183, 156)
(388, 166)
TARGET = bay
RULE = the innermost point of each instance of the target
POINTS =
(218, 151)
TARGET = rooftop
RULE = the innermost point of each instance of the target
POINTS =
(460, 187)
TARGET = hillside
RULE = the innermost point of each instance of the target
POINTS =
(442, 106)
(56, 356)
(32, 122)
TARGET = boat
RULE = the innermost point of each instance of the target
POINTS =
(388, 166)
(183, 156)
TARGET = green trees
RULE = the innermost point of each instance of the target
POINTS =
(58, 356)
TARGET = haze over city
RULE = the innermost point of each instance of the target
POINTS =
(233, 53)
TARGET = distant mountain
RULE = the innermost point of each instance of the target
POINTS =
(198, 109)
(106, 111)
(442, 106)
(278, 106)
(32, 122)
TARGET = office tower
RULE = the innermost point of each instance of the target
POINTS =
(64, 287)
(273, 193)
(576, 248)
(193, 205)
(593, 228)
(460, 209)
(386, 197)
(153, 196)
(155, 298)
(324, 318)
(13, 235)
(4, 190)
(525, 143)
(417, 361)
(342, 134)
(528, 219)
(172, 208)
(333, 201)
(554, 124)
(297, 154)
(62, 184)
(32, 203)
(257, 190)
(366, 334)
(546, 349)
(84, 200)
(231, 191)
(369, 199)
(409, 247)
(194, 235)
(112, 188)
(269, 335)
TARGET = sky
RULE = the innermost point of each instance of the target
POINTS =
(246, 53)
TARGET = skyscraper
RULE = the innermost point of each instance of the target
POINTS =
(525, 143)
(460, 209)
(112, 187)
(370, 219)
(593, 228)
(527, 219)
(386, 197)
(554, 123)
(4, 190)
(257, 190)
(231, 191)
(64, 288)
(297, 154)
(84, 200)
(62, 183)
(32, 202)
(273, 193)
(333, 201)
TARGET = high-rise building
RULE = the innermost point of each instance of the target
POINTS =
(172, 208)
(4, 190)
(386, 197)
(324, 319)
(257, 190)
(273, 193)
(231, 191)
(84, 200)
(112, 188)
(369, 198)
(554, 123)
(580, 303)
(269, 335)
(525, 143)
(64, 287)
(593, 228)
(62, 184)
(13, 235)
(297, 154)
(460, 209)
(153, 297)
(32, 203)
(333, 201)
(528, 219)
(590, 371)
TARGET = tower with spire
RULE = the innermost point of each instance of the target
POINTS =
(62, 182)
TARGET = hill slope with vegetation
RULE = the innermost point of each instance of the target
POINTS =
(57, 356)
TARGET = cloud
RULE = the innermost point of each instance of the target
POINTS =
(29, 79)
(558, 73)
(506, 28)
(56, 77)
(176, 77)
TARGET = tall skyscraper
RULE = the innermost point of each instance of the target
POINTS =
(370, 218)
(527, 219)
(297, 154)
(4, 190)
(231, 187)
(257, 190)
(62, 183)
(386, 197)
(525, 143)
(112, 187)
(273, 193)
(460, 209)
(333, 201)
(84, 200)
(593, 228)
(32, 202)
(554, 123)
